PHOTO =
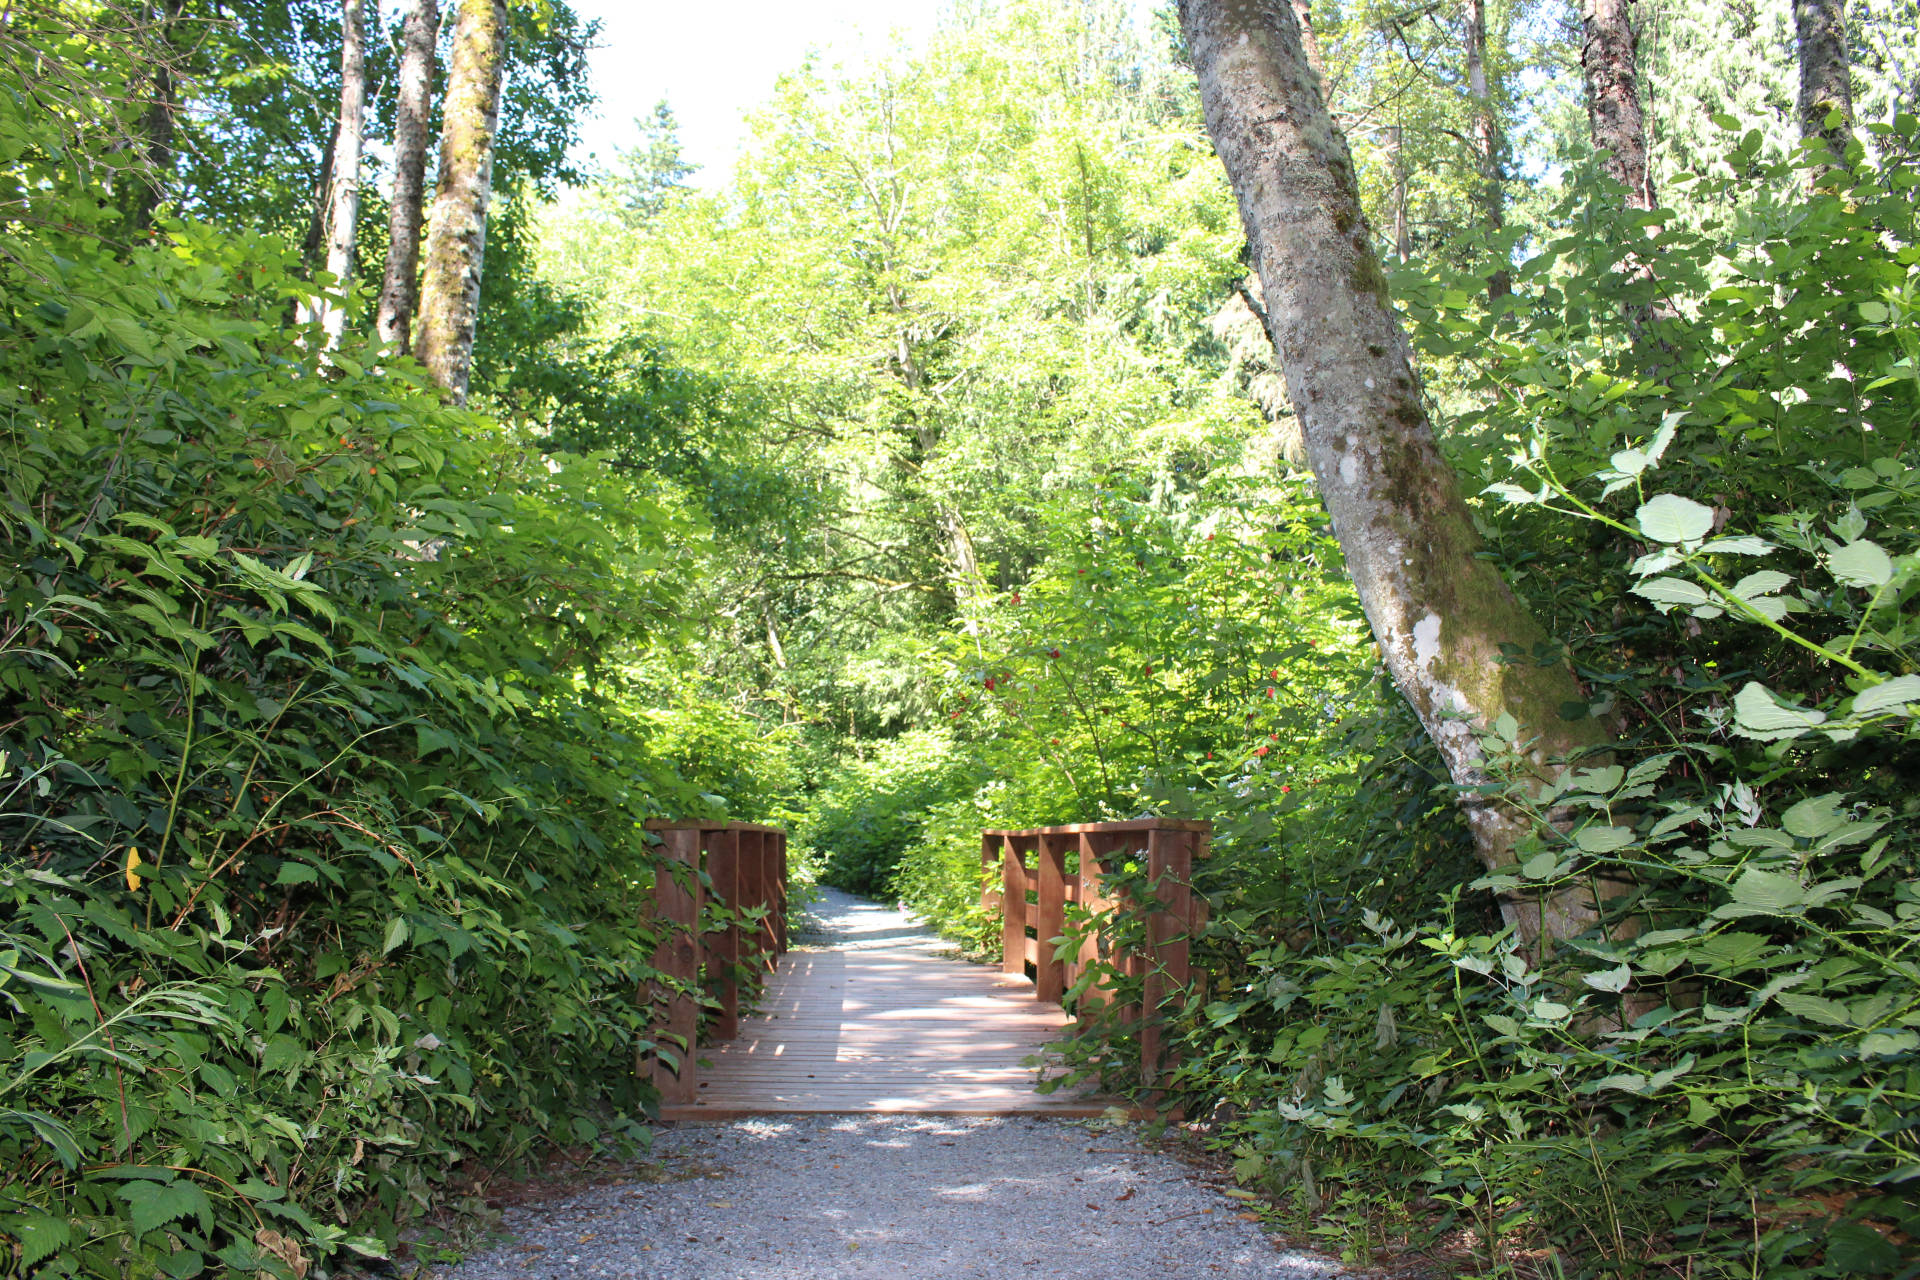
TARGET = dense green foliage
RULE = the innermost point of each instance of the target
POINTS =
(328, 721)
(928, 475)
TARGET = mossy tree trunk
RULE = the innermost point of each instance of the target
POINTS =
(1615, 120)
(343, 186)
(399, 286)
(1443, 616)
(457, 232)
(1826, 77)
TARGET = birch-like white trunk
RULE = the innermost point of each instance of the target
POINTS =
(399, 284)
(1491, 187)
(1442, 614)
(457, 232)
(343, 188)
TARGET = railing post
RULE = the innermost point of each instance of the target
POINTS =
(1093, 900)
(723, 947)
(1169, 868)
(779, 894)
(1050, 916)
(1013, 897)
(677, 907)
(990, 894)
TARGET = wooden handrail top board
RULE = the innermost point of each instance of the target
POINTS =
(663, 824)
(1128, 827)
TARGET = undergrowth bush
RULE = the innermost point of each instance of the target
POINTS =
(1701, 442)
(1716, 505)
(320, 790)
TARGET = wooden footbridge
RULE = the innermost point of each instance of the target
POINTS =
(872, 1015)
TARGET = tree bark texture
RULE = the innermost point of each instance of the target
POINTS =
(399, 285)
(157, 122)
(343, 188)
(1486, 140)
(1608, 50)
(1439, 612)
(457, 233)
(1310, 43)
(1826, 79)
(1396, 154)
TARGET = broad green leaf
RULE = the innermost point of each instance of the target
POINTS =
(1814, 817)
(1888, 1044)
(1757, 891)
(396, 934)
(1630, 461)
(1765, 582)
(39, 1237)
(1540, 866)
(1861, 563)
(1603, 839)
(1758, 714)
(1668, 592)
(1669, 517)
(1887, 695)
(1738, 545)
(1612, 980)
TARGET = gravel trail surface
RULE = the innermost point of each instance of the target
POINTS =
(905, 1197)
(901, 1197)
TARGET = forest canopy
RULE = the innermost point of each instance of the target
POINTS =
(399, 512)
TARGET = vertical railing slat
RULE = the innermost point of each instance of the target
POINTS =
(723, 945)
(1013, 919)
(677, 906)
(1050, 917)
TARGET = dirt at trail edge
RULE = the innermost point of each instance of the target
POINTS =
(906, 1197)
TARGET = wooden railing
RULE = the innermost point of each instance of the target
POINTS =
(1035, 888)
(747, 867)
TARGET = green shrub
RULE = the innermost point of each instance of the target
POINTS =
(320, 791)
(872, 808)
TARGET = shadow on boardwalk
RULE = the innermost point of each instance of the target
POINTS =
(869, 1012)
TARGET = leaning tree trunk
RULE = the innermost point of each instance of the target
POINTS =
(398, 287)
(1826, 83)
(1614, 116)
(343, 188)
(1441, 613)
(457, 233)
(1486, 141)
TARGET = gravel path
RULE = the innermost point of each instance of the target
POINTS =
(905, 1197)
(901, 1197)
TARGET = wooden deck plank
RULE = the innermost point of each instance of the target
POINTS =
(879, 1021)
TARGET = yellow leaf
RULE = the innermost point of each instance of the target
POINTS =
(133, 862)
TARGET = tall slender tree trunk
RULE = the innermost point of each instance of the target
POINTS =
(1491, 184)
(398, 287)
(1826, 78)
(157, 122)
(343, 188)
(1310, 42)
(1397, 158)
(457, 232)
(1439, 611)
(314, 242)
(1618, 126)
